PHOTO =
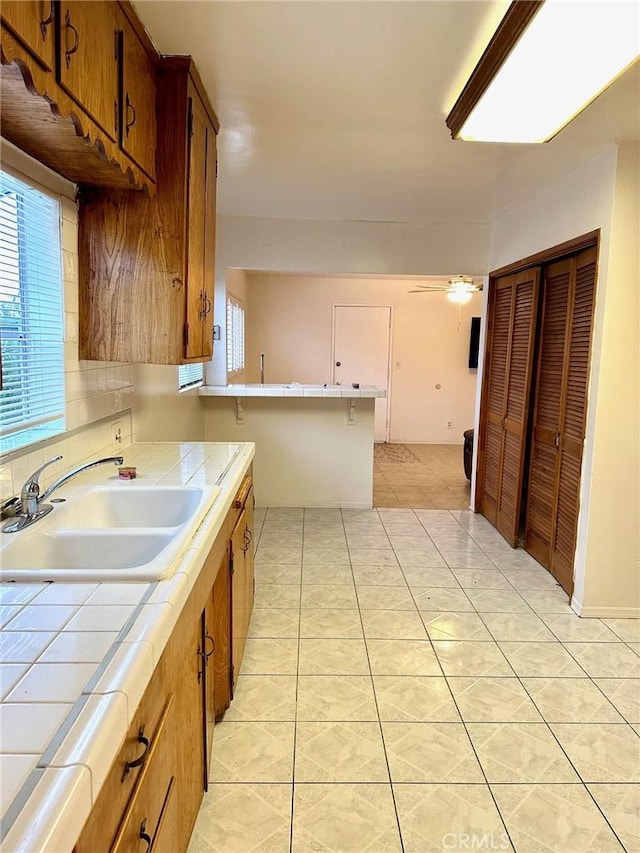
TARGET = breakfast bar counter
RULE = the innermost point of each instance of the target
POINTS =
(314, 443)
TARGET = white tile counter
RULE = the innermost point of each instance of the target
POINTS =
(294, 389)
(75, 659)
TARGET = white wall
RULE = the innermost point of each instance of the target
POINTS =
(161, 413)
(307, 453)
(600, 192)
(289, 318)
(611, 544)
(370, 248)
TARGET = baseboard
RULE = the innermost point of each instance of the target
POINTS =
(606, 612)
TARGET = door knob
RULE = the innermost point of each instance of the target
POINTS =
(338, 363)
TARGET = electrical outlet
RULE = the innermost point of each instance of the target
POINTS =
(449, 424)
(116, 434)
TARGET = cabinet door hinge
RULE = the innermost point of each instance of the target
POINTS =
(185, 334)
(231, 569)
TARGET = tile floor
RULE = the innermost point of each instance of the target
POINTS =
(429, 476)
(413, 684)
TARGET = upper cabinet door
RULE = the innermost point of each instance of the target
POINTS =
(32, 23)
(88, 59)
(209, 242)
(138, 126)
(196, 299)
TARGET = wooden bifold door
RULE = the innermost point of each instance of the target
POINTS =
(510, 341)
(560, 413)
(534, 402)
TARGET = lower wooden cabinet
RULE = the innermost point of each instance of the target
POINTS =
(152, 794)
(142, 818)
(221, 633)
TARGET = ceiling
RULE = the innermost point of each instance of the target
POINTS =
(335, 109)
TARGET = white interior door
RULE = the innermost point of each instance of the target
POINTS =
(361, 337)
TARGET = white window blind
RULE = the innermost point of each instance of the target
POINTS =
(190, 376)
(235, 335)
(31, 329)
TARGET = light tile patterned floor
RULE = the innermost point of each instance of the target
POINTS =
(411, 684)
(430, 476)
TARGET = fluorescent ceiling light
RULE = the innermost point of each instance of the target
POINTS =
(566, 53)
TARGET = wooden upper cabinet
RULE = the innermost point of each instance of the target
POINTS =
(88, 59)
(201, 193)
(147, 265)
(33, 24)
(138, 101)
(196, 225)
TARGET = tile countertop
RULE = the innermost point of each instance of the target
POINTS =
(292, 390)
(77, 657)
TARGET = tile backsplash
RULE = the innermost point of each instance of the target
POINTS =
(97, 393)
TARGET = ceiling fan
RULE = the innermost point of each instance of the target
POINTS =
(460, 288)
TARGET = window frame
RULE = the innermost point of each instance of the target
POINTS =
(29, 431)
(234, 304)
(184, 371)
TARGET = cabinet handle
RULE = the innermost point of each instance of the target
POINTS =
(203, 658)
(207, 305)
(129, 124)
(144, 835)
(138, 762)
(208, 636)
(70, 51)
(248, 538)
(46, 21)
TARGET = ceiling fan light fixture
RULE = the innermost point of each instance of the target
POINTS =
(460, 295)
(525, 88)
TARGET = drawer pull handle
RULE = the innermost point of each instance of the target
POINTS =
(46, 21)
(137, 762)
(248, 539)
(71, 50)
(144, 835)
(131, 110)
(207, 655)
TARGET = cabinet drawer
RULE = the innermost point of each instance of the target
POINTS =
(102, 825)
(144, 813)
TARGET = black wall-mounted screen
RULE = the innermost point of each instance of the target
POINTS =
(474, 342)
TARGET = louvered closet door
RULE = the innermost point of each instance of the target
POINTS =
(560, 413)
(512, 316)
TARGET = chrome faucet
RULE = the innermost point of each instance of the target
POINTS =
(32, 503)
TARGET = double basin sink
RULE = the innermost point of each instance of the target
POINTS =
(123, 532)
